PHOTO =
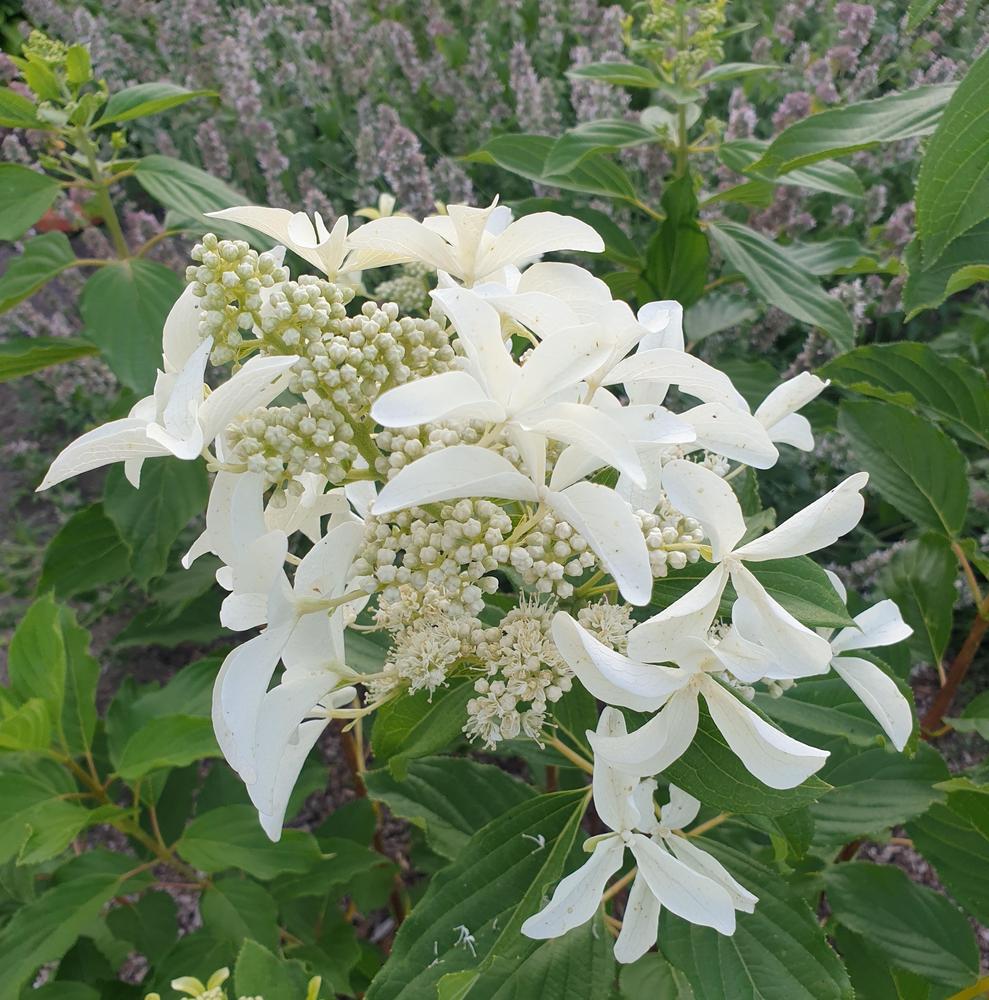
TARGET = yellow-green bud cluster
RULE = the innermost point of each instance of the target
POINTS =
(409, 289)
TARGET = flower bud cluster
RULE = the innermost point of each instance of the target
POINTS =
(672, 539)
(550, 556)
(409, 289)
(453, 554)
(229, 277)
(402, 445)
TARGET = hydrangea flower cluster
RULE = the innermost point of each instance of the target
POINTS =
(494, 487)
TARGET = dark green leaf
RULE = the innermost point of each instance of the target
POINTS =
(927, 288)
(603, 135)
(953, 184)
(82, 673)
(779, 952)
(260, 973)
(145, 99)
(171, 741)
(150, 924)
(231, 837)
(413, 726)
(235, 909)
(975, 718)
(920, 578)
(913, 465)
(150, 519)
(86, 553)
(451, 798)
(839, 131)
(621, 74)
(24, 355)
(914, 375)
(25, 196)
(496, 883)
(915, 928)
(742, 155)
(44, 258)
(676, 262)
(653, 978)
(124, 308)
(827, 256)
(775, 278)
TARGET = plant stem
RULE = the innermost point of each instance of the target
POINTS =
(973, 583)
(613, 891)
(974, 991)
(575, 758)
(959, 668)
(701, 829)
(101, 188)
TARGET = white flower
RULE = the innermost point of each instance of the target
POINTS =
(778, 411)
(701, 892)
(263, 734)
(604, 519)
(641, 682)
(880, 625)
(176, 419)
(305, 237)
(471, 244)
(794, 649)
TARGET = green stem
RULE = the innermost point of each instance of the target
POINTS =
(101, 188)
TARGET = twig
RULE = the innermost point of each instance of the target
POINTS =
(701, 829)
(575, 758)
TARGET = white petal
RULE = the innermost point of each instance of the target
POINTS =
(682, 890)
(664, 322)
(398, 240)
(117, 441)
(681, 810)
(646, 423)
(544, 315)
(705, 496)
(234, 517)
(730, 432)
(180, 337)
(256, 384)
(702, 862)
(578, 896)
(880, 625)
(613, 789)
(569, 283)
(657, 744)
(815, 527)
(561, 361)
(468, 226)
(323, 571)
(794, 430)
(180, 418)
(772, 756)
(789, 397)
(315, 645)
(237, 695)
(690, 615)
(879, 694)
(590, 429)
(276, 223)
(536, 234)
(452, 473)
(640, 923)
(453, 395)
(792, 649)
(609, 675)
(613, 532)
(838, 585)
(645, 803)
(693, 376)
(290, 766)
(478, 327)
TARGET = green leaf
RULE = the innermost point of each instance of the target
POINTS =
(526, 156)
(191, 193)
(676, 262)
(604, 135)
(913, 465)
(919, 11)
(23, 355)
(78, 66)
(413, 726)
(742, 155)
(85, 553)
(872, 976)
(44, 258)
(804, 589)
(653, 978)
(32, 799)
(779, 952)
(777, 280)
(873, 791)
(916, 928)
(710, 770)
(920, 578)
(231, 837)
(954, 837)
(496, 883)
(172, 741)
(450, 798)
(150, 924)
(25, 196)
(344, 862)
(975, 718)
(235, 909)
(916, 376)
(45, 929)
(928, 287)
(82, 674)
(733, 70)
(621, 74)
(145, 99)
(714, 313)
(27, 727)
(37, 659)
(953, 184)
(16, 111)
(150, 519)
(124, 306)
(827, 256)
(840, 131)
(259, 973)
